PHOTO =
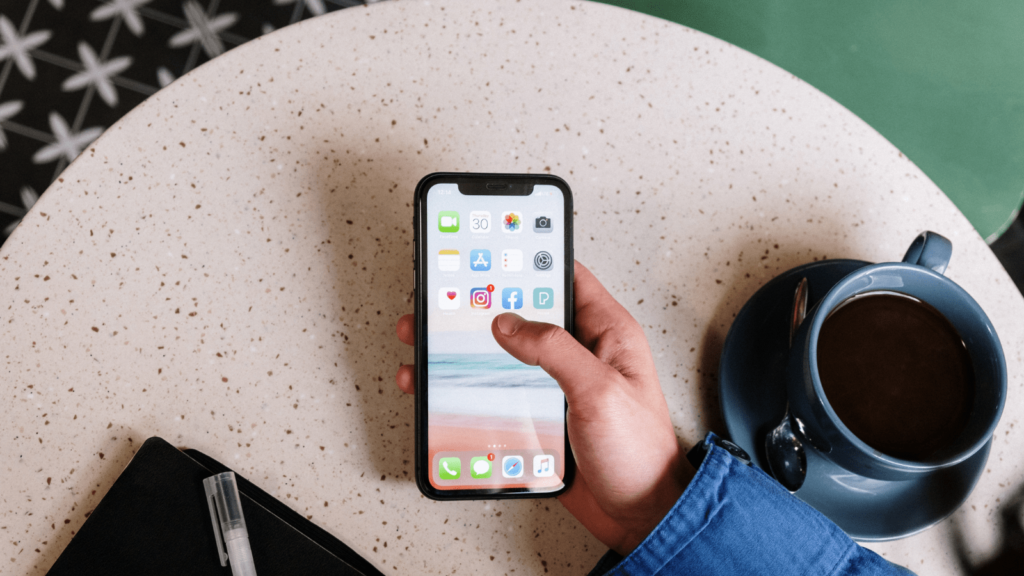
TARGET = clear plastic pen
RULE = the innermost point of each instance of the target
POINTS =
(229, 524)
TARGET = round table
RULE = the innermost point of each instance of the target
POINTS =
(224, 267)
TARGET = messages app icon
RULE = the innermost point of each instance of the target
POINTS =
(450, 468)
(543, 298)
(480, 467)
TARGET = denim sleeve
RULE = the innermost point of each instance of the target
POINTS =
(734, 519)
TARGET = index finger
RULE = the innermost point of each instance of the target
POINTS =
(607, 329)
(597, 311)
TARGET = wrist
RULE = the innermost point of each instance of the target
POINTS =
(656, 506)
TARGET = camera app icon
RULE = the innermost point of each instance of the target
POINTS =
(542, 224)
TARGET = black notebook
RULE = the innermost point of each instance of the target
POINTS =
(155, 520)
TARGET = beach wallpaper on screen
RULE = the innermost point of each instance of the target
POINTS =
(480, 399)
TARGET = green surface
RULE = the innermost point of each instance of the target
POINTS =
(943, 80)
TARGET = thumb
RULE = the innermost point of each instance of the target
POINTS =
(577, 371)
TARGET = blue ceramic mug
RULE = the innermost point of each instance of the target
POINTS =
(919, 276)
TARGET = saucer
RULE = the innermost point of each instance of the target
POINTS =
(752, 389)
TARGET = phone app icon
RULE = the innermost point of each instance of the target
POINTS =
(480, 298)
(511, 260)
(479, 260)
(543, 298)
(450, 468)
(542, 261)
(512, 298)
(448, 299)
(543, 465)
(512, 222)
(512, 466)
(448, 260)
(542, 224)
(480, 467)
(448, 221)
(480, 222)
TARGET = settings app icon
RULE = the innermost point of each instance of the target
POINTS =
(542, 261)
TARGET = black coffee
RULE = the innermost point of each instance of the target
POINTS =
(897, 373)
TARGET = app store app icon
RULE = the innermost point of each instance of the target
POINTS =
(479, 260)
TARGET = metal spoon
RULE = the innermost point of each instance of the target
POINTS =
(787, 458)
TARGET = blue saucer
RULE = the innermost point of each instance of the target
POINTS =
(753, 396)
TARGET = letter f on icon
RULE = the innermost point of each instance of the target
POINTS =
(512, 298)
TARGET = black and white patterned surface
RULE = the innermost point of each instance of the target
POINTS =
(70, 68)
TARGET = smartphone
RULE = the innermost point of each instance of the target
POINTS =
(487, 425)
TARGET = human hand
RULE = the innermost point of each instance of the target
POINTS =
(630, 467)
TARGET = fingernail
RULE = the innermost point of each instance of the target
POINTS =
(508, 323)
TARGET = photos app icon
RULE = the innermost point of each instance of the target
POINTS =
(512, 222)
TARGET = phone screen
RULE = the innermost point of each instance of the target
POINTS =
(493, 423)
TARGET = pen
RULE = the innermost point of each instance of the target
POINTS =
(229, 524)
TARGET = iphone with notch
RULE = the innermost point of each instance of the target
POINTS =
(487, 425)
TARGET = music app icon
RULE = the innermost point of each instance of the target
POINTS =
(543, 465)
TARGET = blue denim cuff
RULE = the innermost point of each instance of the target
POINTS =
(734, 519)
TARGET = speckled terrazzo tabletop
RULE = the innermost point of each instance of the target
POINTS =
(225, 266)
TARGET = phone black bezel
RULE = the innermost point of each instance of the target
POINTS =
(477, 184)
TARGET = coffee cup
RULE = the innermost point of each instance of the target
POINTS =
(893, 301)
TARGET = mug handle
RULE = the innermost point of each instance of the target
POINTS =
(931, 250)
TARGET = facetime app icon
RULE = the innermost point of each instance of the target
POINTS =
(448, 221)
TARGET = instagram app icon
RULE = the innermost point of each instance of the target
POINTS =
(480, 298)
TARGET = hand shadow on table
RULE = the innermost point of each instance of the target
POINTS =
(115, 456)
(367, 205)
(1009, 558)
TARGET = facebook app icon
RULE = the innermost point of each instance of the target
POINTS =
(479, 260)
(512, 298)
